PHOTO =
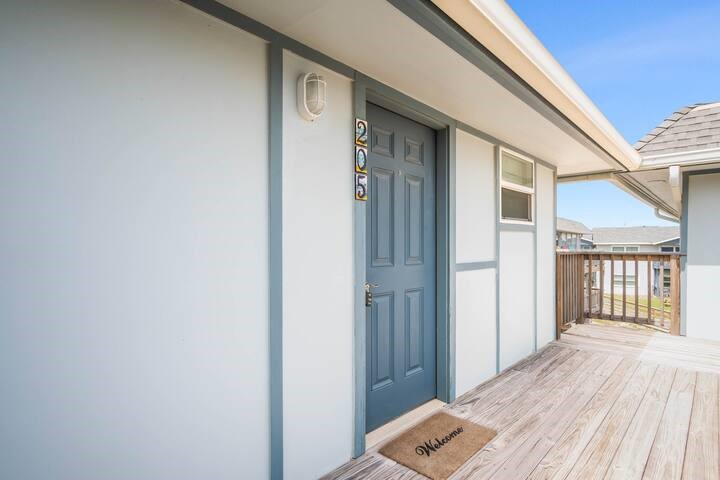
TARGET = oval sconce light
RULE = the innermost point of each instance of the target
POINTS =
(311, 95)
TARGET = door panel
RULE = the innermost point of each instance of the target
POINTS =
(401, 324)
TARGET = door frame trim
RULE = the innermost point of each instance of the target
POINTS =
(367, 90)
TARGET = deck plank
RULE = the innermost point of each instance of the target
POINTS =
(701, 454)
(554, 427)
(511, 441)
(634, 450)
(601, 402)
(668, 451)
(596, 458)
(563, 454)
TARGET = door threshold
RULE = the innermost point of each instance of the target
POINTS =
(380, 435)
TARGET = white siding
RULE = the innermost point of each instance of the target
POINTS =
(545, 255)
(475, 241)
(703, 257)
(475, 199)
(133, 201)
(517, 296)
(317, 278)
(475, 328)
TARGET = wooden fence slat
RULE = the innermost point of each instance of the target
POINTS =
(675, 295)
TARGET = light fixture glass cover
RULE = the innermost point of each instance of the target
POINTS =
(311, 95)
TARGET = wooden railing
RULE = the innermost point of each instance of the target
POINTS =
(627, 287)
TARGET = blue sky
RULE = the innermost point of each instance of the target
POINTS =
(638, 61)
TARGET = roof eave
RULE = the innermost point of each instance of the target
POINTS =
(500, 30)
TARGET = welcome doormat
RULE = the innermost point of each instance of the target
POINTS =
(438, 445)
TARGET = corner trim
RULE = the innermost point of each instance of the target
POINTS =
(275, 256)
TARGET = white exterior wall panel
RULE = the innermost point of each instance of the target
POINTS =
(475, 242)
(475, 199)
(317, 277)
(133, 246)
(702, 269)
(475, 330)
(545, 222)
(517, 296)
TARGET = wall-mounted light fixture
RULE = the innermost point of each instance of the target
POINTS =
(311, 95)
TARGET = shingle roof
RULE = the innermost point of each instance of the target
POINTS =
(634, 235)
(695, 127)
(571, 226)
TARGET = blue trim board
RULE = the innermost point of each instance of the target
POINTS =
(554, 263)
(275, 232)
(470, 266)
(450, 260)
(683, 248)
(359, 257)
(497, 257)
(517, 227)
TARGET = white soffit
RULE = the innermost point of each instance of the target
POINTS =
(496, 26)
(383, 43)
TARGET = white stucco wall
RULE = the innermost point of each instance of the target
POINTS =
(545, 222)
(133, 204)
(475, 293)
(517, 296)
(317, 277)
(702, 269)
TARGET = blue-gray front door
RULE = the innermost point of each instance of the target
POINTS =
(401, 323)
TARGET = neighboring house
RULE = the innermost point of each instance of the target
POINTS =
(572, 236)
(644, 239)
(197, 283)
(680, 174)
(637, 239)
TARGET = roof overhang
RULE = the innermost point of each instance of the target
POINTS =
(501, 82)
(497, 27)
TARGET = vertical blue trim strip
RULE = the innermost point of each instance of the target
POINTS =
(450, 261)
(443, 312)
(497, 258)
(554, 262)
(360, 311)
(275, 224)
(685, 202)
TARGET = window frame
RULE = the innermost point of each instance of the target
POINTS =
(502, 183)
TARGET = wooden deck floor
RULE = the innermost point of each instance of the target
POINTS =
(602, 402)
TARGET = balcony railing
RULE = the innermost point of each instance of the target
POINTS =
(627, 287)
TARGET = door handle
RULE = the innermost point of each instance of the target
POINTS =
(369, 285)
(368, 293)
